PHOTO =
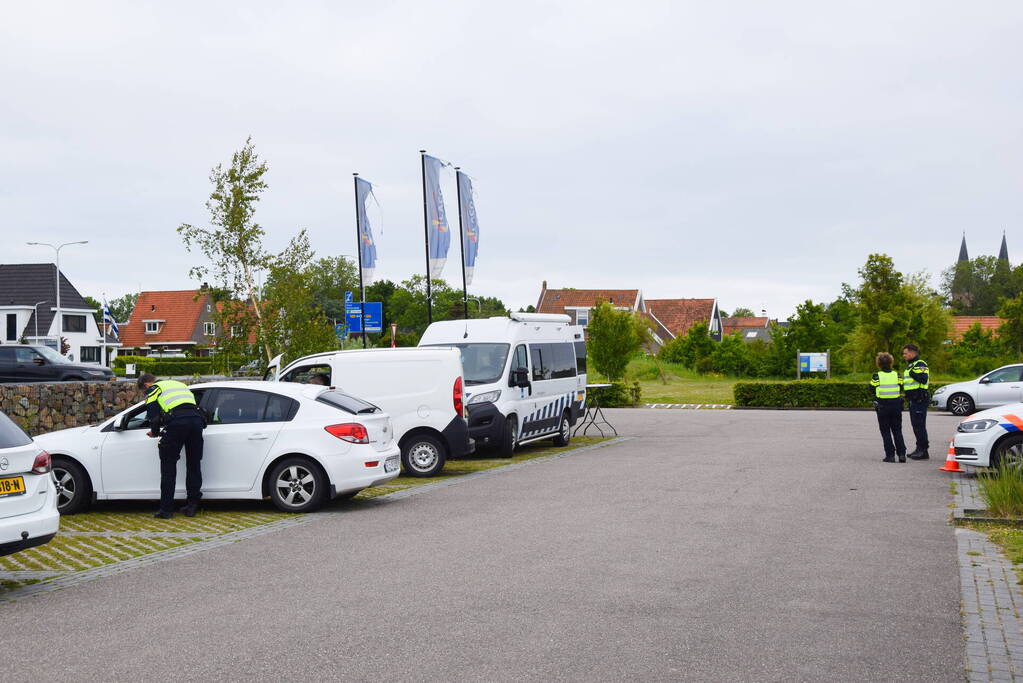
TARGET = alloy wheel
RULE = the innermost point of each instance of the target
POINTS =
(66, 487)
(295, 486)
(1011, 456)
(960, 405)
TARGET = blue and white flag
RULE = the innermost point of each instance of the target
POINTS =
(438, 232)
(470, 226)
(367, 247)
(108, 320)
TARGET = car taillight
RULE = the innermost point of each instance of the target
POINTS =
(352, 432)
(456, 395)
(42, 464)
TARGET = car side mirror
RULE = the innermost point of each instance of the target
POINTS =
(520, 377)
(119, 423)
(985, 380)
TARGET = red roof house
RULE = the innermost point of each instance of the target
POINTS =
(170, 322)
(961, 323)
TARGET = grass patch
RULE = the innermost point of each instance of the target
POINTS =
(463, 466)
(1008, 538)
(1002, 491)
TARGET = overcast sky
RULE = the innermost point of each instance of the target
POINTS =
(753, 152)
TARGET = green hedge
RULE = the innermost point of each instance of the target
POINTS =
(618, 395)
(192, 365)
(807, 393)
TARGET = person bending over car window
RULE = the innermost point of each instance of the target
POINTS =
(320, 378)
(175, 418)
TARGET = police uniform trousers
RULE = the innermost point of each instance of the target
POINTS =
(918, 418)
(182, 430)
(889, 420)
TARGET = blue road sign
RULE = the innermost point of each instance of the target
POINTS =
(340, 330)
(374, 316)
(348, 297)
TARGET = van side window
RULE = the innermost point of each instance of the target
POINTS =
(309, 374)
(541, 355)
(563, 361)
(580, 357)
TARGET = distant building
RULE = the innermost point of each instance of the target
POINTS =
(179, 322)
(750, 328)
(961, 323)
(960, 289)
(28, 304)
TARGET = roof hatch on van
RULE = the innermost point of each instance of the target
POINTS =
(541, 318)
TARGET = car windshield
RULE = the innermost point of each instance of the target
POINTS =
(481, 363)
(49, 354)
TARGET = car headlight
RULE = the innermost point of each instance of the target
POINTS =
(940, 390)
(486, 397)
(976, 426)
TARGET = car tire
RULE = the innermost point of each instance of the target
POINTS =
(1008, 452)
(506, 449)
(74, 490)
(961, 405)
(297, 484)
(422, 455)
(565, 432)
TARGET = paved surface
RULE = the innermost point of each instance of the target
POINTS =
(719, 545)
(991, 599)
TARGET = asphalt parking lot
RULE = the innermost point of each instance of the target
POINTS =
(715, 545)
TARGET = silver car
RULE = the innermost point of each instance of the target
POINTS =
(994, 389)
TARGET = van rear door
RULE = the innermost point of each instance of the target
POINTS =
(273, 370)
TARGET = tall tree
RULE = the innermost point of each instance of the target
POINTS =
(1011, 330)
(741, 313)
(329, 278)
(123, 306)
(234, 243)
(614, 336)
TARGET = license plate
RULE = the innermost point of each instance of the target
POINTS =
(391, 464)
(12, 486)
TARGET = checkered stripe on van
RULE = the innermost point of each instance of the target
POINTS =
(534, 425)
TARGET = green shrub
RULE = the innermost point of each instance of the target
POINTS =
(1002, 491)
(807, 393)
(618, 395)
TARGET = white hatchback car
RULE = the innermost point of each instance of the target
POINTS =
(28, 498)
(299, 444)
(991, 438)
(996, 388)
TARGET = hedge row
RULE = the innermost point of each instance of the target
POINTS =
(807, 393)
(618, 395)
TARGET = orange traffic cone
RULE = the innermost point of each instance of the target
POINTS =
(951, 465)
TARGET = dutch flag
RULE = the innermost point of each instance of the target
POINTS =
(108, 319)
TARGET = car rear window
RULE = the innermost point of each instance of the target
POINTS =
(347, 403)
(11, 435)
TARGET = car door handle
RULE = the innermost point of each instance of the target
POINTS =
(258, 437)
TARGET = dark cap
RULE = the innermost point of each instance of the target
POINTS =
(144, 379)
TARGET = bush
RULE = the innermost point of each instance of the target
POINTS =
(618, 395)
(1002, 491)
(808, 393)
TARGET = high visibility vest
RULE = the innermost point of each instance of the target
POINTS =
(887, 385)
(908, 382)
(170, 394)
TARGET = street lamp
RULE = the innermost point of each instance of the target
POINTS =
(36, 317)
(57, 248)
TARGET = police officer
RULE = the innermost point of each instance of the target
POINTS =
(888, 403)
(914, 382)
(170, 406)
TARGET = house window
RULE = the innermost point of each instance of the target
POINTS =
(209, 329)
(12, 327)
(74, 323)
(235, 330)
(208, 308)
(152, 327)
(582, 317)
(89, 354)
(751, 335)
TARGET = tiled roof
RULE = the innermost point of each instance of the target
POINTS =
(678, 315)
(729, 325)
(961, 323)
(179, 309)
(24, 284)
(556, 300)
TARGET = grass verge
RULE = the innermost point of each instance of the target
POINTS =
(1008, 538)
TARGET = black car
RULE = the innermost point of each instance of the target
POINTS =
(23, 363)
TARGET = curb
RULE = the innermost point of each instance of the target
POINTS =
(689, 406)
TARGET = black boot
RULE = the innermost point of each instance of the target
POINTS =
(902, 458)
(888, 458)
(190, 509)
(163, 515)
(919, 455)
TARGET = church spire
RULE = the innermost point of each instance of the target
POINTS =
(963, 255)
(1003, 253)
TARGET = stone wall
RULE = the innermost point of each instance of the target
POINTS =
(41, 408)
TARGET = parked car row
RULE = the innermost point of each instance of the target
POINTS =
(326, 426)
(27, 363)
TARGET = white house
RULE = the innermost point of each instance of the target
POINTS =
(28, 310)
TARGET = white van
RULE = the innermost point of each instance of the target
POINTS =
(421, 389)
(525, 376)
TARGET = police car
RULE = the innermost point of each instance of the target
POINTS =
(991, 438)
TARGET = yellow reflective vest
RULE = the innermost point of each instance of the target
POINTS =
(886, 384)
(169, 394)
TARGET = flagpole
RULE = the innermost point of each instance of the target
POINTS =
(103, 312)
(461, 241)
(426, 232)
(362, 287)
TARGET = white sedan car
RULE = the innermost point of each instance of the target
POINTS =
(991, 438)
(996, 388)
(299, 444)
(28, 498)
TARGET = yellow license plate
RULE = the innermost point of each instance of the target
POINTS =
(12, 486)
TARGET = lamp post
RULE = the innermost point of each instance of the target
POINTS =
(56, 249)
(36, 318)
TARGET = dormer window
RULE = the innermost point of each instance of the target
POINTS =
(152, 307)
(152, 326)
